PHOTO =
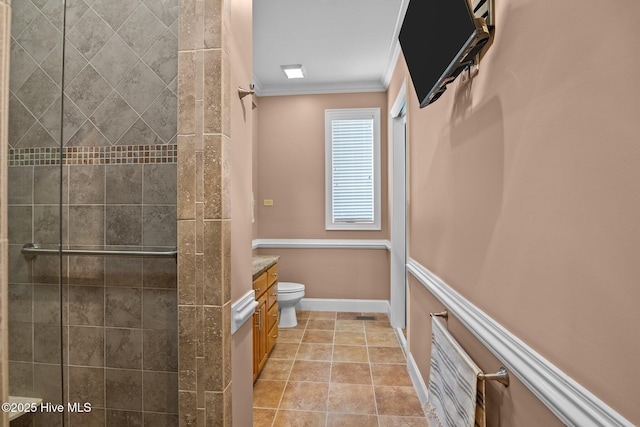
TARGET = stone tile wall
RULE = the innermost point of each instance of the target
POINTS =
(204, 216)
(120, 71)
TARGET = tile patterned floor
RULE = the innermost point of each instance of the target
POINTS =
(332, 370)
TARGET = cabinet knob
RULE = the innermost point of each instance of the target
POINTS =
(274, 315)
(274, 274)
(275, 336)
(274, 294)
(257, 289)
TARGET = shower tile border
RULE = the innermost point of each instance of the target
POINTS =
(119, 154)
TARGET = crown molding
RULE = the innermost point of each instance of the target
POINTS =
(394, 48)
(320, 89)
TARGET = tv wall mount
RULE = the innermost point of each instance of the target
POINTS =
(484, 9)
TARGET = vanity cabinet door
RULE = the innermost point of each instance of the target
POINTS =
(260, 330)
(272, 304)
(265, 318)
(256, 341)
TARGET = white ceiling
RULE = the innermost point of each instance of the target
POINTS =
(344, 45)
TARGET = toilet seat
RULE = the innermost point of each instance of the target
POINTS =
(289, 287)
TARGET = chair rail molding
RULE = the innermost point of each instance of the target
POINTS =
(242, 310)
(321, 244)
(573, 404)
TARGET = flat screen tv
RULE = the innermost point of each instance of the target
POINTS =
(439, 38)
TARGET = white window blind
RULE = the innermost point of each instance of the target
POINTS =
(353, 169)
(352, 160)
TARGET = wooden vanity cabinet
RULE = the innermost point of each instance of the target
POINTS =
(265, 317)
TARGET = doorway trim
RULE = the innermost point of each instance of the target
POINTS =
(398, 208)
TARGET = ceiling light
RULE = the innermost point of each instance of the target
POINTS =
(294, 71)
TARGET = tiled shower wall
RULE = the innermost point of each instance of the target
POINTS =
(120, 71)
(118, 190)
(120, 314)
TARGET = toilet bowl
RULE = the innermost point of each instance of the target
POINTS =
(289, 294)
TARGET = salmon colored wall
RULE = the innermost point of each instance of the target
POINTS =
(254, 167)
(336, 273)
(524, 192)
(291, 172)
(241, 150)
(514, 406)
(291, 165)
(241, 183)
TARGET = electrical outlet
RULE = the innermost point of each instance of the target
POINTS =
(268, 202)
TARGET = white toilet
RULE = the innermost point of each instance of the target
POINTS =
(289, 294)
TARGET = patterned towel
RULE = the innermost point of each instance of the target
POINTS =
(456, 396)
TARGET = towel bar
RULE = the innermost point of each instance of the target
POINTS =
(31, 250)
(444, 314)
(502, 376)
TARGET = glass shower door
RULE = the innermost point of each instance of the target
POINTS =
(119, 194)
(92, 167)
(34, 206)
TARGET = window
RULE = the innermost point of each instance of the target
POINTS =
(352, 160)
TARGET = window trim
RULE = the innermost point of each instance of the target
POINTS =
(350, 114)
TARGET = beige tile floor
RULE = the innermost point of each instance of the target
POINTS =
(332, 370)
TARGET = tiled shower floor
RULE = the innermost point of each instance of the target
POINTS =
(332, 370)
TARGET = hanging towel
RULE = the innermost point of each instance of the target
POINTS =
(456, 396)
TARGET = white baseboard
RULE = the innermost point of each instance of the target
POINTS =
(416, 378)
(402, 340)
(345, 305)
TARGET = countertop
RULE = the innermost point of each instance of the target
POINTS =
(262, 262)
